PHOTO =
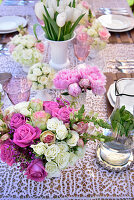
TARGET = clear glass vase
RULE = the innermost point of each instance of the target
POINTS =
(119, 151)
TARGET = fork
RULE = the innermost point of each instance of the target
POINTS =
(112, 11)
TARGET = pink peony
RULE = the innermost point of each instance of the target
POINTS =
(66, 77)
(85, 4)
(11, 48)
(98, 90)
(49, 106)
(40, 46)
(25, 134)
(74, 90)
(84, 83)
(104, 34)
(36, 171)
(17, 120)
(7, 152)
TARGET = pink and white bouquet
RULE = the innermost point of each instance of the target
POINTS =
(47, 138)
(41, 75)
(77, 81)
(26, 50)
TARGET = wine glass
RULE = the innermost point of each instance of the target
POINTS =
(17, 89)
(81, 49)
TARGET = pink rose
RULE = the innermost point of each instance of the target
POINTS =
(39, 119)
(7, 152)
(80, 127)
(47, 137)
(11, 48)
(80, 29)
(80, 143)
(104, 34)
(25, 134)
(36, 171)
(49, 106)
(17, 120)
(74, 90)
(55, 112)
(85, 4)
(82, 37)
(40, 46)
(84, 83)
(64, 114)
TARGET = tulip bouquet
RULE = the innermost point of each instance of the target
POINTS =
(26, 50)
(77, 81)
(60, 17)
(41, 76)
(46, 137)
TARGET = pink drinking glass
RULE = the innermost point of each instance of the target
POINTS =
(18, 89)
(81, 49)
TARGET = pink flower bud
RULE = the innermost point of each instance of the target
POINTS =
(74, 89)
(5, 137)
(84, 83)
(80, 143)
(47, 137)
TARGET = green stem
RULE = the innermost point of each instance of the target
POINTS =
(59, 33)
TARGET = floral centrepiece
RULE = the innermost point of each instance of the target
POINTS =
(47, 138)
(41, 75)
(26, 50)
(76, 81)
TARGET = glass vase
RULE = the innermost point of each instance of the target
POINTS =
(119, 151)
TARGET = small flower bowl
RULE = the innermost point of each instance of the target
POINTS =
(18, 89)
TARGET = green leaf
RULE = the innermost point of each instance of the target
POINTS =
(65, 93)
(34, 30)
(73, 5)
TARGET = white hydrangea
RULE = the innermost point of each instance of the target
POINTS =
(61, 132)
(53, 123)
(52, 169)
(74, 139)
(40, 148)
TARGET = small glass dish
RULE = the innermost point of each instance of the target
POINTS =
(17, 89)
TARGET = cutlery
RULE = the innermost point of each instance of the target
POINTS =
(124, 61)
(114, 9)
(121, 67)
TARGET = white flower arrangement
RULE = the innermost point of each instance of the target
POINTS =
(26, 50)
(41, 76)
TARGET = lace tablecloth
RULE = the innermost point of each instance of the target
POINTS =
(87, 180)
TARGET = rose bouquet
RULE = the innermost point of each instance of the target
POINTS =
(60, 17)
(26, 50)
(41, 76)
(77, 81)
(46, 137)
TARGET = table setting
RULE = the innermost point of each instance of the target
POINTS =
(66, 103)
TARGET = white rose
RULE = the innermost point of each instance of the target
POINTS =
(39, 10)
(37, 72)
(8, 110)
(40, 148)
(32, 77)
(21, 105)
(35, 86)
(74, 139)
(62, 159)
(76, 14)
(52, 152)
(61, 132)
(73, 159)
(25, 112)
(46, 69)
(52, 169)
(40, 87)
(53, 123)
(43, 80)
(61, 19)
(80, 152)
(63, 146)
(92, 32)
(27, 54)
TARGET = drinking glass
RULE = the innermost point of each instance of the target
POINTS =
(18, 89)
(81, 49)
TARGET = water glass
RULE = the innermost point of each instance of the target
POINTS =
(81, 49)
(18, 89)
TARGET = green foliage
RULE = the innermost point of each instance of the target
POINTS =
(130, 2)
(122, 121)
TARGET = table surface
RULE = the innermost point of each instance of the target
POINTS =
(87, 180)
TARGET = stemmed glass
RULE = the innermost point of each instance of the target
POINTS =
(81, 48)
(18, 89)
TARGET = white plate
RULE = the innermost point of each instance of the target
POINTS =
(112, 92)
(115, 22)
(9, 24)
(110, 98)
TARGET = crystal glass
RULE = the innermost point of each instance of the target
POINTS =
(81, 49)
(18, 89)
(118, 151)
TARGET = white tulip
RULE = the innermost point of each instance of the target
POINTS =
(39, 10)
(76, 14)
(53, 5)
(51, 12)
(61, 19)
(60, 9)
(69, 13)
